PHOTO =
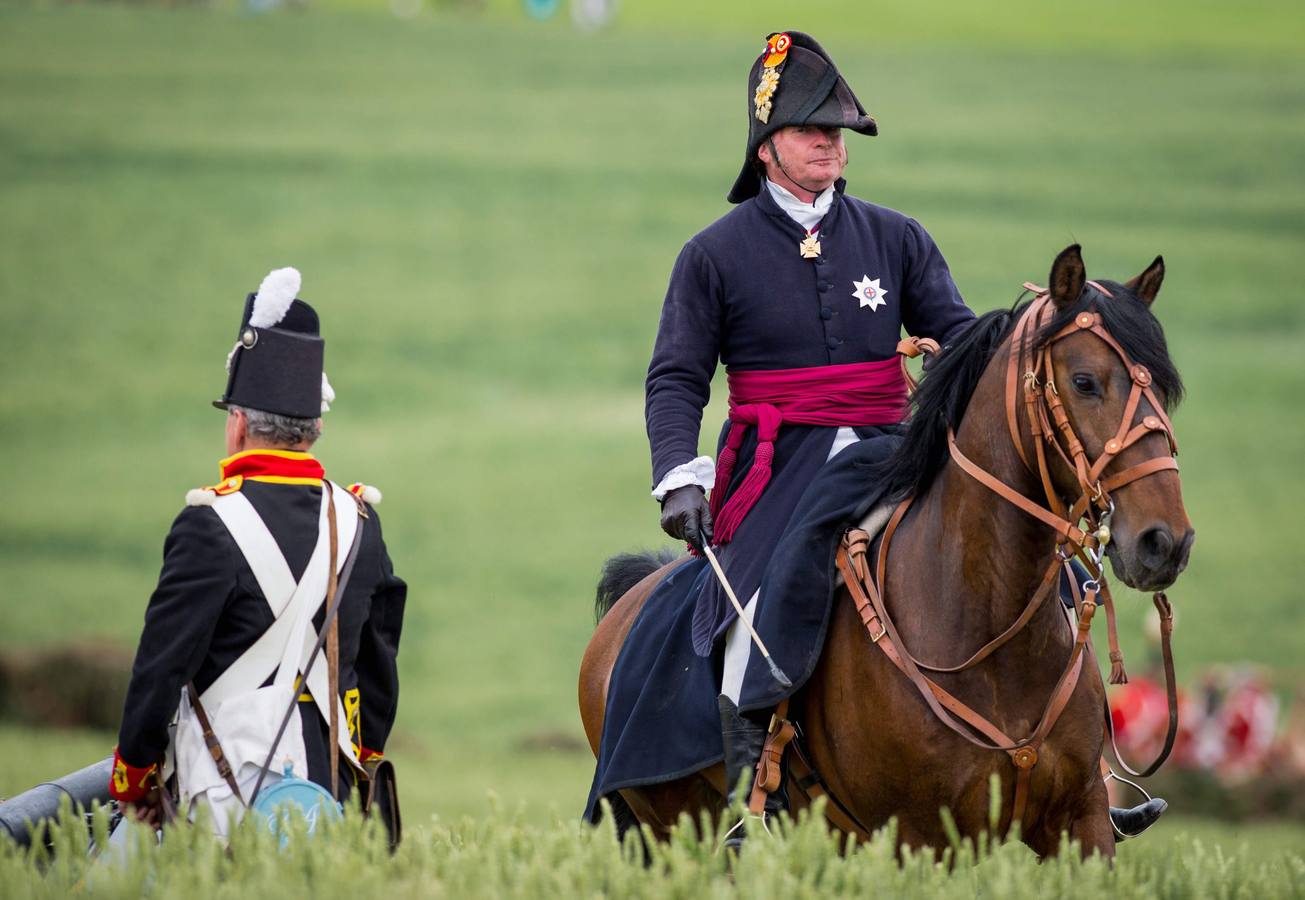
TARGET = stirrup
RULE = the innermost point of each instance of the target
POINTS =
(733, 839)
(1145, 815)
(1149, 811)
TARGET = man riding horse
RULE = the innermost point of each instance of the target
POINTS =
(802, 291)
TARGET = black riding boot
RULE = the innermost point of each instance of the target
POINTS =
(743, 739)
(1132, 822)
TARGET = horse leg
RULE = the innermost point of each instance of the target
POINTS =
(625, 820)
(1090, 828)
(659, 806)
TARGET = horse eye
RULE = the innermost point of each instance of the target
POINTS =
(1086, 385)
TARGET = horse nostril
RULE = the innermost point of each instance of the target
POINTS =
(1155, 547)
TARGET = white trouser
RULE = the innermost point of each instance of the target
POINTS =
(738, 649)
(223, 810)
(738, 642)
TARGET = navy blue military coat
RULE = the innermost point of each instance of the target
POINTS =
(740, 292)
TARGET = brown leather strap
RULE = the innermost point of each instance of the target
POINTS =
(167, 804)
(769, 767)
(333, 644)
(806, 779)
(1117, 673)
(909, 348)
(1024, 328)
(1062, 527)
(867, 600)
(1132, 473)
(211, 741)
(947, 708)
(1166, 613)
(1046, 588)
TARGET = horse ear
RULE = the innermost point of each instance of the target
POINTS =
(1068, 276)
(1147, 285)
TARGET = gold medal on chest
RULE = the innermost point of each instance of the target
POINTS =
(809, 246)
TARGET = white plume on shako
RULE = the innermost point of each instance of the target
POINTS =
(277, 291)
(274, 296)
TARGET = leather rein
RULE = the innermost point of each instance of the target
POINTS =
(1051, 432)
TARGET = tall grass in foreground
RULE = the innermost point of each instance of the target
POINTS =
(502, 857)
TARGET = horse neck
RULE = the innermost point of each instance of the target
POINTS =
(996, 553)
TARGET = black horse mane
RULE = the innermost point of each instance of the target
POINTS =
(946, 388)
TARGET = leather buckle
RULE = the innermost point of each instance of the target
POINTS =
(874, 638)
(1025, 758)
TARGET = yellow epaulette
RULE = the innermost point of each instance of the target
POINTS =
(206, 495)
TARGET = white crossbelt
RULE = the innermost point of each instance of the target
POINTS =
(293, 605)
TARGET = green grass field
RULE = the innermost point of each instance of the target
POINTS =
(485, 213)
(503, 856)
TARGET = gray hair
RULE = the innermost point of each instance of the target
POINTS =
(277, 429)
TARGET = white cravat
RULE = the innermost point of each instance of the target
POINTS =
(805, 214)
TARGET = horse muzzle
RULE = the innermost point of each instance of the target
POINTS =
(1153, 560)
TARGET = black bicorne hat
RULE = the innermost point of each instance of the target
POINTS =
(276, 365)
(794, 82)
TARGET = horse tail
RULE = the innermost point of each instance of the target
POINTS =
(622, 572)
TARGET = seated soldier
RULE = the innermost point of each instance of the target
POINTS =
(242, 598)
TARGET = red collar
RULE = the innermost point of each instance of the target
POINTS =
(276, 466)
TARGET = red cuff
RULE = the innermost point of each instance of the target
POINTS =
(130, 783)
(365, 755)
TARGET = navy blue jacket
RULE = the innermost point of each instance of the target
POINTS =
(741, 292)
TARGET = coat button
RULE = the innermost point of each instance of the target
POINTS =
(833, 343)
(826, 313)
(820, 260)
(823, 286)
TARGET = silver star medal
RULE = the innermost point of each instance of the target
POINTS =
(868, 291)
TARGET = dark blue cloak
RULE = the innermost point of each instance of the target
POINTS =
(662, 720)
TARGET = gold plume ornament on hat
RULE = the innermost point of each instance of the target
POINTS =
(776, 52)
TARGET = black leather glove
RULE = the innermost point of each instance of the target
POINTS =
(685, 515)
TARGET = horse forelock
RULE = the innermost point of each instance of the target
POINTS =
(946, 388)
(1130, 322)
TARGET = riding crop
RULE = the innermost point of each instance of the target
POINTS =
(775, 671)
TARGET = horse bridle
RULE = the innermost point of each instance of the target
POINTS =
(1049, 425)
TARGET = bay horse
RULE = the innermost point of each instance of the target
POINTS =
(965, 560)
